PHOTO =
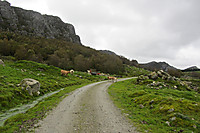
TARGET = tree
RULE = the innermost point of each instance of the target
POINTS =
(53, 60)
(21, 53)
(81, 63)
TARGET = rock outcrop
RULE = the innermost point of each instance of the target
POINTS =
(27, 22)
(2, 63)
(31, 85)
(166, 78)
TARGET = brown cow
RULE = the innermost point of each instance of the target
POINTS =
(114, 79)
(63, 72)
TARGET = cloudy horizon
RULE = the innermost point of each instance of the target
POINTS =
(145, 30)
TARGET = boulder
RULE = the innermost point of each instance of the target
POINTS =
(161, 73)
(141, 78)
(153, 75)
(171, 78)
(31, 85)
(2, 63)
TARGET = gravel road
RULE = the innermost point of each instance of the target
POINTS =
(86, 110)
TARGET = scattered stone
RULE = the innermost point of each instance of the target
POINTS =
(18, 85)
(174, 87)
(161, 73)
(173, 118)
(141, 106)
(41, 69)
(31, 85)
(171, 110)
(23, 70)
(160, 87)
(170, 79)
(153, 75)
(156, 84)
(141, 78)
(151, 107)
(194, 126)
(143, 122)
(2, 63)
(11, 85)
(168, 123)
(152, 101)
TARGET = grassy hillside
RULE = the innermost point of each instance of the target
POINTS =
(59, 53)
(169, 108)
(48, 76)
(50, 79)
(132, 71)
(192, 75)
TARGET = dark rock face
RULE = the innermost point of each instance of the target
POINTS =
(27, 22)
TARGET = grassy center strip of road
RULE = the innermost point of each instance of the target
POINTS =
(24, 121)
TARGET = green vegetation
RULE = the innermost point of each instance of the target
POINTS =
(158, 110)
(59, 53)
(11, 95)
(25, 121)
(132, 71)
(192, 75)
(48, 76)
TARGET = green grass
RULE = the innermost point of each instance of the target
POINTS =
(24, 121)
(158, 111)
(49, 77)
(132, 71)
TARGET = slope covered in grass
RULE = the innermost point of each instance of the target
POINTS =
(133, 71)
(49, 77)
(158, 110)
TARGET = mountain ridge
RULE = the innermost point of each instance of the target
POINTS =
(154, 66)
(192, 68)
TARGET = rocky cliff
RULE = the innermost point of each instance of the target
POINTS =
(27, 22)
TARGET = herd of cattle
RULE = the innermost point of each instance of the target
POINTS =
(65, 73)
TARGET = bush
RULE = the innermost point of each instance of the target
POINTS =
(175, 72)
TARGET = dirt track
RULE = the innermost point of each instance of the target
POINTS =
(87, 110)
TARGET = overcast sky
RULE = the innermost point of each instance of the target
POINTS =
(145, 30)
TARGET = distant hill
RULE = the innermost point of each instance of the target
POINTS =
(27, 22)
(124, 59)
(154, 66)
(193, 68)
